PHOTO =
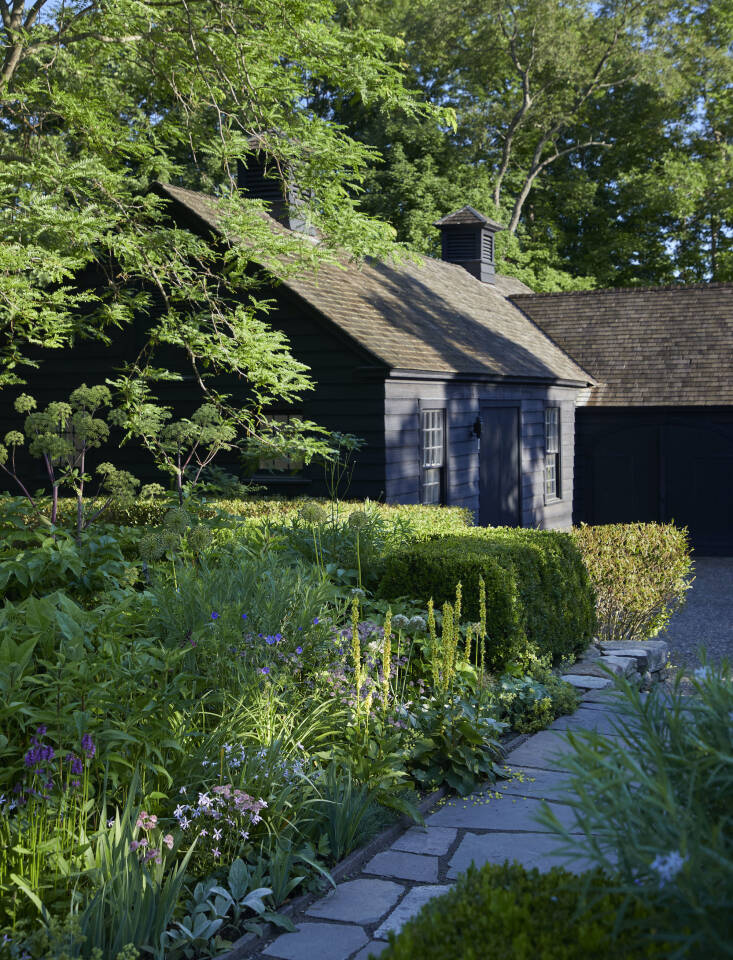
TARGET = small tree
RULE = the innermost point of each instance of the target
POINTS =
(183, 448)
(62, 435)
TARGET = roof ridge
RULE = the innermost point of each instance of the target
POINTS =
(607, 290)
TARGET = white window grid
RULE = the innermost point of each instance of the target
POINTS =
(433, 454)
(552, 452)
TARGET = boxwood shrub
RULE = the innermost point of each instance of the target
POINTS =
(539, 600)
(517, 914)
(414, 521)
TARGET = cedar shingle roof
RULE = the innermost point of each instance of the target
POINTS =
(467, 215)
(432, 316)
(663, 346)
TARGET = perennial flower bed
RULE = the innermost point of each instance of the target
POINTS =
(198, 720)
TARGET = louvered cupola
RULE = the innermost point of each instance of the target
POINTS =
(258, 177)
(467, 238)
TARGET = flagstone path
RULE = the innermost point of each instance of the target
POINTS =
(494, 824)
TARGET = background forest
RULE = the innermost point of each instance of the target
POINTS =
(600, 133)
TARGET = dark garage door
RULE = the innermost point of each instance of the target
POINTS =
(658, 467)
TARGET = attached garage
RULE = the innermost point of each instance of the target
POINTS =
(654, 437)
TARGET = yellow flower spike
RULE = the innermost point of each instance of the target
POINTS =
(386, 658)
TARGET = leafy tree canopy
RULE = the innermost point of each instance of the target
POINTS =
(600, 133)
(101, 98)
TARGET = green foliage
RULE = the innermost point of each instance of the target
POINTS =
(457, 744)
(132, 903)
(640, 574)
(538, 599)
(530, 702)
(61, 436)
(343, 806)
(216, 677)
(653, 805)
(526, 915)
(618, 166)
(217, 906)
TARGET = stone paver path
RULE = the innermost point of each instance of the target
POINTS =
(492, 825)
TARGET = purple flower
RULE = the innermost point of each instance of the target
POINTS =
(244, 616)
(41, 731)
(270, 640)
(87, 745)
(214, 615)
(298, 649)
(265, 670)
(76, 764)
(75, 784)
(315, 621)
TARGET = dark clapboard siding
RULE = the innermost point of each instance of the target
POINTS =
(348, 397)
(462, 401)
(658, 464)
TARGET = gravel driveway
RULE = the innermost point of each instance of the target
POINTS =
(707, 617)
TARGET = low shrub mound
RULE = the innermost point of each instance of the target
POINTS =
(539, 601)
(517, 914)
(640, 573)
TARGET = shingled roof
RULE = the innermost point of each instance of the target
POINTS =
(428, 317)
(663, 346)
(467, 215)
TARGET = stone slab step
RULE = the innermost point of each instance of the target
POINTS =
(651, 654)
(586, 682)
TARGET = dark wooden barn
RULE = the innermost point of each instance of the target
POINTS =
(460, 398)
(654, 437)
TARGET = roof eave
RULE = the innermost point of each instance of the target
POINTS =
(483, 376)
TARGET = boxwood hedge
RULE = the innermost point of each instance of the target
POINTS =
(539, 600)
(517, 914)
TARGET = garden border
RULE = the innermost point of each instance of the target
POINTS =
(248, 943)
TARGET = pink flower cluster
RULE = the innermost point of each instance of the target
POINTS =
(221, 819)
(147, 850)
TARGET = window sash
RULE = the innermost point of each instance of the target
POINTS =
(433, 439)
(552, 453)
(552, 429)
(432, 455)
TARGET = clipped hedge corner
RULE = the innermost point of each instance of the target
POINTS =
(517, 914)
(539, 600)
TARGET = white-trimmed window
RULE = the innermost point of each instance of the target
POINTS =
(552, 453)
(432, 443)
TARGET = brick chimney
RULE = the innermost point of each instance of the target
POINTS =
(467, 238)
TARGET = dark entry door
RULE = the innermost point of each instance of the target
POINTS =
(499, 467)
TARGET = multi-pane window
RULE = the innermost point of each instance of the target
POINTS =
(432, 429)
(552, 453)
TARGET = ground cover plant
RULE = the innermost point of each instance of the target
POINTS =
(212, 694)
